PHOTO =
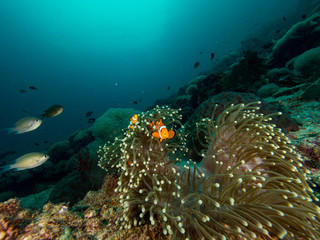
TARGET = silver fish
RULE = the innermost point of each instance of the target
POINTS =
(27, 161)
(24, 125)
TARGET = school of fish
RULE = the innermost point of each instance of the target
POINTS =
(28, 124)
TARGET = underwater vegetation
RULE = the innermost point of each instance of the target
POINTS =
(251, 183)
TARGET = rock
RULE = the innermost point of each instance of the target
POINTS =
(60, 151)
(267, 90)
(308, 63)
(301, 37)
(312, 92)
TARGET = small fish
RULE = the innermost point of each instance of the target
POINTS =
(304, 16)
(24, 125)
(33, 87)
(196, 64)
(201, 52)
(135, 102)
(133, 120)
(52, 111)
(88, 114)
(27, 161)
(22, 90)
(36, 144)
(169, 88)
(212, 56)
(91, 120)
(162, 132)
(284, 18)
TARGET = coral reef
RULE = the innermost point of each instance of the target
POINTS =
(308, 63)
(11, 218)
(92, 218)
(60, 151)
(302, 36)
(109, 125)
(245, 74)
(251, 183)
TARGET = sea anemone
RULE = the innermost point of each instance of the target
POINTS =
(251, 183)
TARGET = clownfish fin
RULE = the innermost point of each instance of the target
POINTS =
(156, 134)
(132, 127)
(152, 124)
(171, 134)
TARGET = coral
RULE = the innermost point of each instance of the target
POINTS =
(208, 109)
(245, 74)
(197, 79)
(58, 221)
(60, 151)
(312, 91)
(283, 77)
(192, 89)
(97, 199)
(267, 90)
(251, 183)
(311, 152)
(302, 36)
(11, 219)
(80, 139)
(53, 222)
(71, 188)
(146, 170)
(83, 160)
(308, 63)
(109, 125)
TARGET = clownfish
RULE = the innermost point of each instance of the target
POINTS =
(162, 131)
(133, 120)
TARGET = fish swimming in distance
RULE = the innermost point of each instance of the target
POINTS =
(196, 64)
(212, 56)
(52, 111)
(88, 114)
(26, 124)
(27, 161)
(33, 87)
(22, 90)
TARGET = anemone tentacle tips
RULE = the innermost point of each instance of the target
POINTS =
(254, 185)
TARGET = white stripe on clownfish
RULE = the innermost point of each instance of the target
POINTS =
(162, 132)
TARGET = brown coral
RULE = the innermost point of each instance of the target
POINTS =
(11, 219)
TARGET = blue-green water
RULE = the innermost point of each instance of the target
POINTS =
(93, 55)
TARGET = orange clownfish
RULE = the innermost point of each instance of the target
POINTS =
(162, 131)
(133, 120)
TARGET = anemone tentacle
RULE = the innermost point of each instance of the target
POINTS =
(254, 186)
